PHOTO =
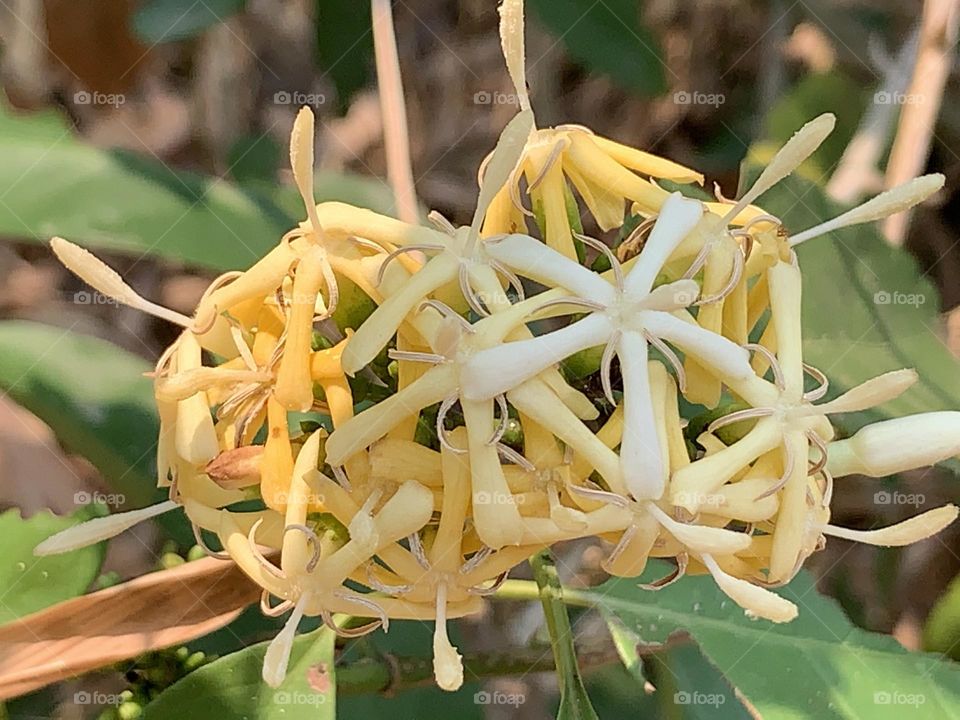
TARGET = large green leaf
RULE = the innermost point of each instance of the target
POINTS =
(158, 21)
(28, 583)
(92, 394)
(941, 632)
(866, 309)
(54, 184)
(233, 685)
(819, 666)
(607, 37)
(345, 45)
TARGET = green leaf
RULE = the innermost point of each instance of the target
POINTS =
(28, 583)
(345, 45)
(941, 632)
(93, 396)
(607, 37)
(814, 95)
(819, 666)
(866, 310)
(574, 701)
(234, 686)
(158, 21)
(54, 184)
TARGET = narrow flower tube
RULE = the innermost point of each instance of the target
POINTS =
(757, 601)
(99, 529)
(196, 437)
(903, 533)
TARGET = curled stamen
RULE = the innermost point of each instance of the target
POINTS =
(698, 261)
(345, 632)
(625, 538)
(490, 589)
(592, 305)
(516, 458)
(735, 275)
(342, 480)
(198, 536)
(478, 557)
(631, 243)
(818, 443)
(445, 406)
(671, 357)
(501, 428)
(441, 223)
(739, 416)
(821, 378)
(244, 420)
(555, 152)
(784, 477)
(421, 247)
(599, 495)
(378, 610)
(374, 582)
(771, 359)
(512, 278)
(606, 362)
(605, 250)
(264, 563)
(469, 294)
(416, 548)
(312, 540)
(447, 312)
(671, 578)
(273, 610)
(411, 356)
(827, 494)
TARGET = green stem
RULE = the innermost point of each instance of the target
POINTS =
(574, 702)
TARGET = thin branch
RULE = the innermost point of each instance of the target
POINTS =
(921, 104)
(395, 133)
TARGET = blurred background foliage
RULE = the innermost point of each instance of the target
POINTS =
(155, 132)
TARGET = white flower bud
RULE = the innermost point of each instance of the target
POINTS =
(892, 446)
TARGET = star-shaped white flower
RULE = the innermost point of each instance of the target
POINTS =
(625, 316)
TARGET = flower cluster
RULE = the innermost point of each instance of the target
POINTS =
(476, 450)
